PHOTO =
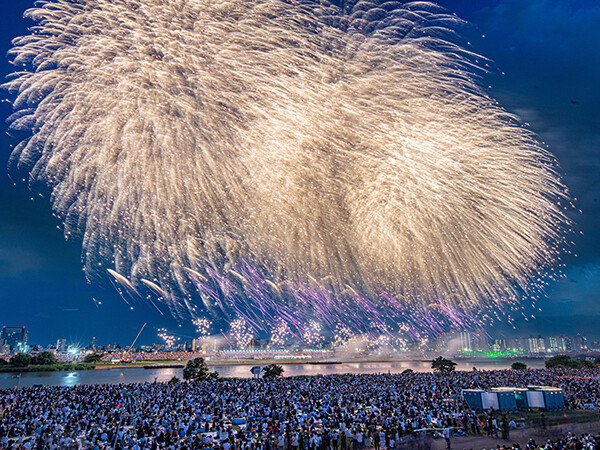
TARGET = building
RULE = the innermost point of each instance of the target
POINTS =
(536, 345)
(94, 343)
(61, 346)
(499, 345)
(15, 338)
(580, 343)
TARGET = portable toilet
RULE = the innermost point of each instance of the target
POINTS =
(535, 398)
(506, 399)
(521, 399)
(554, 398)
(490, 400)
(473, 398)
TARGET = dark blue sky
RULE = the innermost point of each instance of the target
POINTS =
(549, 52)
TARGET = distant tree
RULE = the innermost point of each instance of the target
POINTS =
(597, 361)
(20, 360)
(518, 365)
(174, 380)
(44, 359)
(197, 370)
(405, 371)
(3, 362)
(441, 364)
(272, 371)
(92, 358)
(559, 361)
(582, 363)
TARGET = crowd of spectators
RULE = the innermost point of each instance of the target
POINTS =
(338, 412)
(570, 442)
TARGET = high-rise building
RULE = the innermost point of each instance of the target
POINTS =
(93, 343)
(16, 338)
(61, 346)
(580, 343)
(536, 344)
(499, 345)
(552, 344)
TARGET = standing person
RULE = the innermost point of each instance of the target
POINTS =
(334, 440)
(505, 428)
(447, 436)
(368, 441)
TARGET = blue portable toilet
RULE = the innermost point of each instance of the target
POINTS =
(473, 398)
(535, 398)
(506, 399)
(554, 398)
(521, 399)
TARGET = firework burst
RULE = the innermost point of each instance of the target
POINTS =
(240, 334)
(313, 333)
(342, 335)
(202, 327)
(167, 338)
(280, 334)
(290, 157)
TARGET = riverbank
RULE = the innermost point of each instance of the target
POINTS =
(60, 367)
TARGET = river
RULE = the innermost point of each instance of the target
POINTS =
(140, 375)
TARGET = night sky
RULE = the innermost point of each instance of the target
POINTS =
(546, 69)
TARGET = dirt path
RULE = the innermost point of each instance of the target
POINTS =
(518, 436)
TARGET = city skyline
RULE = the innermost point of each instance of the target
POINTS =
(466, 344)
(42, 277)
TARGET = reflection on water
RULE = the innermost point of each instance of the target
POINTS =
(140, 375)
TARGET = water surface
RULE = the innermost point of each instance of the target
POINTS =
(140, 375)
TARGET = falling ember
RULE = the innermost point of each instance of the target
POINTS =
(268, 160)
(240, 334)
(168, 339)
(202, 327)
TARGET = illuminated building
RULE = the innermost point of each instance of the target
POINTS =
(61, 346)
(16, 338)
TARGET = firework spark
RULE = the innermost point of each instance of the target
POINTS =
(167, 338)
(313, 333)
(202, 327)
(280, 334)
(342, 335)
(278, 160)
(240, 334)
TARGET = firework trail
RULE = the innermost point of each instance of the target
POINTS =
(271, 159)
